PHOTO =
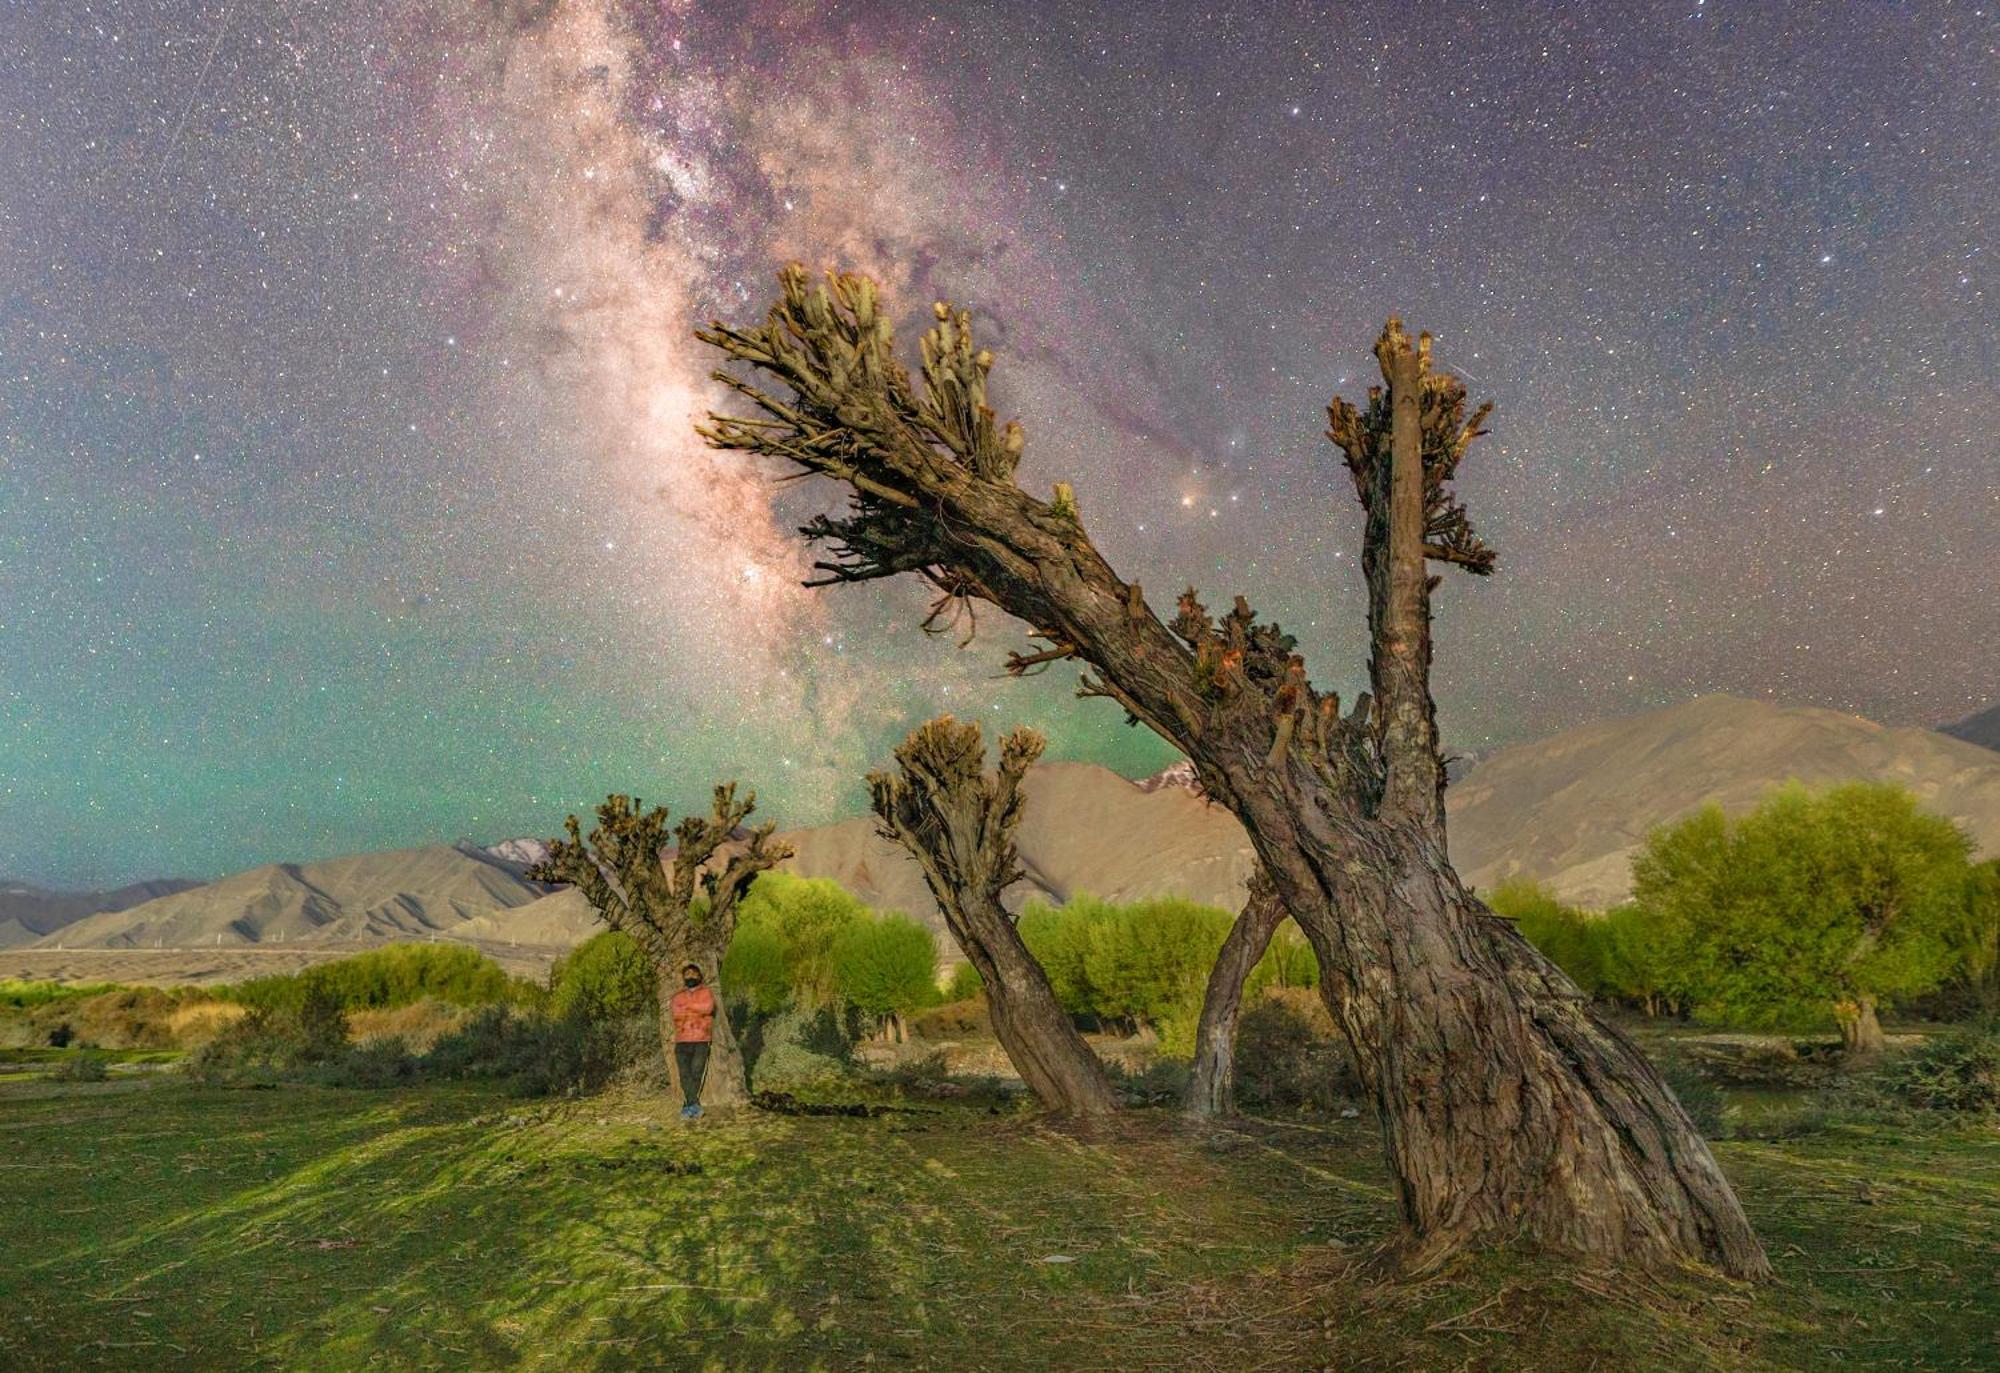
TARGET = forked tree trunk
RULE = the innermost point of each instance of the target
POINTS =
(1860, 1029)
(959, 823)
(1510, 1111)
(1212, 1085)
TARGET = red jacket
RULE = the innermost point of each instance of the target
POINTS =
(693, 1010)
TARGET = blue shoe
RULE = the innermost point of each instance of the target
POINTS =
(694, 1111)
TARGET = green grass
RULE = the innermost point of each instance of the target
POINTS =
(160, 1225)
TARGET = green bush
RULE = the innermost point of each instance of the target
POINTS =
(1288, 962)
(1955, 1071)
(1815, 907)
(394, 975)
(1059, 939)
(756, 970)
(964, 983)
(801, 1050)
(1570, 939)
(606, 978)
(886, 967)
(806, 915)
(19, 995)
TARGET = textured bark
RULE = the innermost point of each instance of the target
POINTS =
(959, 823)
(1212, 1085)
(1860, 1028)
(624, 870)
(1510, 1110)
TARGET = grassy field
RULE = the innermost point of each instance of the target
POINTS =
(151, 1223)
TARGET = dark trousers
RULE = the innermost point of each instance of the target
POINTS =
(692, 1060)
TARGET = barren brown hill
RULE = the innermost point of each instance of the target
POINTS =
(1570, 810)
(364, 897)
(28, 913)
(1086, 829)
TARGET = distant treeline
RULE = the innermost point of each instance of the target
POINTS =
(1816, 908)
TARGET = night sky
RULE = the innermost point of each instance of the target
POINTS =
(348, 497)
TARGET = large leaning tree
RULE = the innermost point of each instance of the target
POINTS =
(677, 902)
(959, 824)
(1211, 1089)
(1510, 1110)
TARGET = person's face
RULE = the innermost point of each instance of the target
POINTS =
(690, 977)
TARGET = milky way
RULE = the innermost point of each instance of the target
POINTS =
(348, 492)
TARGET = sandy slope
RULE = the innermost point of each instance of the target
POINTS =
(1570, 810)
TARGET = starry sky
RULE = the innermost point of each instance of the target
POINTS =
(348, 497)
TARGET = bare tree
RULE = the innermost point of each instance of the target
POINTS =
(1509, 1108)
(959, 823)
(679, 909)
(1211, 1087)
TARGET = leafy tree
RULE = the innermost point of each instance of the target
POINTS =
(806, 915)
(1574, 940)
(886, 968)
(757, 968)
(1345, 809)
(1059, 939)
(1642, 958)
(1825, 904)
(965, 983)
(603, 979)
(1974, 938)
(1147, 961)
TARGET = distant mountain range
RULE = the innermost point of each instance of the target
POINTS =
(1982, 729)
(28, 913)
(1568, 811)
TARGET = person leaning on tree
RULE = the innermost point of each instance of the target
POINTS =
(693, 1011)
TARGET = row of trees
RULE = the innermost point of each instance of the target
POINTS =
(1510, 1109)
(1816, 907)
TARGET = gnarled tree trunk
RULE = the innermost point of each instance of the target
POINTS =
(1509, 1109)
(725, 1082)
(959, 825)
(1860, 1028)
(1212, 1084)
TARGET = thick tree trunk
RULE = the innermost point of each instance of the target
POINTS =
(725, 1084)
(1212, 1085)
(1040, 1039)
(1509, 1108)
(1860, 1030)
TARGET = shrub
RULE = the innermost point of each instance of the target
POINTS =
(1955, 1071)
(806, 914)
(969, 1018)
(1565, 935)
(1705, 1102)
(83, 1066)
(394, 975)
(536, 1054)
(964, 983)
(886, 967)
(1148, 962)
(604, 979)
(17, 994)
(1289, 1057)
(801, 1049)
(756, 970)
